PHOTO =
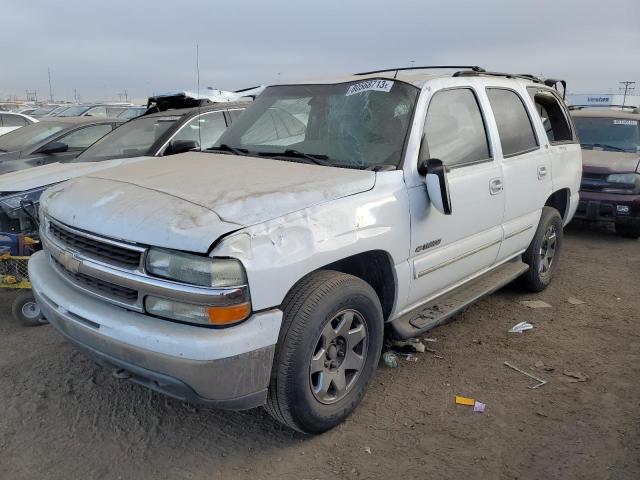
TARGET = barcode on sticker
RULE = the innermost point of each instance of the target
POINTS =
(368, 85)
(625, 122)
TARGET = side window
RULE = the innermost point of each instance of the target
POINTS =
(83, 138)
(13, 121)
(552, 114)
(97, 112)
(514, 125)
(234, 114)
(454, 128)
(205, 129)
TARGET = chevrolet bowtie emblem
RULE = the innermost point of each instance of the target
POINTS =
(69, 261)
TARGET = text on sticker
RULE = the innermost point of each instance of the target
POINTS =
(377, 85)
(625, 122)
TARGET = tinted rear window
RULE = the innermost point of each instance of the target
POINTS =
(514, 126)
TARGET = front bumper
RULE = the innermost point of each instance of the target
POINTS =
(227, 368)
(608, 207)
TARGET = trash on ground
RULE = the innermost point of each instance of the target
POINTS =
(465, 401)
(535, 304)
(471, 402)
(390, 359)
(411, 358)
(412, 344)
(520, 327)
(574, 301)
(539, 364)
(575, 376)
(368, 450)
(540, 383)
(479, 407)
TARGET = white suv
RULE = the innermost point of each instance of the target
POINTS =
(265, 272)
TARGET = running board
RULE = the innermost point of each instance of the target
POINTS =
(446, 306)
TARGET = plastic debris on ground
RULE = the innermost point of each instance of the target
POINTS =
(520, 327)
(575, 301)
(575, 376)
(412, 344)
(390, 359)
(470, 402)
(535, 304)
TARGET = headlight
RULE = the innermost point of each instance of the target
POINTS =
(195, 270)
(625, 183)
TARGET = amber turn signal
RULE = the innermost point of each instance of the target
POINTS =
(229, 315)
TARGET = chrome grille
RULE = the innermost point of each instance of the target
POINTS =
(111, 290)
(112, 254)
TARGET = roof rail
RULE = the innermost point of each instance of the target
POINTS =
(580, 107)
(428, 67)
(472, 73)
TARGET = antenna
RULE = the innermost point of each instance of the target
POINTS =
(198, 79)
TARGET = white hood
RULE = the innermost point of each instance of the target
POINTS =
(30, 178)
(188, 201)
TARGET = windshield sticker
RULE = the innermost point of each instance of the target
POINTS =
(625, 122)
(370, 85)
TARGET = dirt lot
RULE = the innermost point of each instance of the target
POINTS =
(61, 417)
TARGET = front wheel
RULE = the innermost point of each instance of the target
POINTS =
(329, 346)
(27, 311)
(544, 251)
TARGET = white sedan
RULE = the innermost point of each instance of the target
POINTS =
(10, 121)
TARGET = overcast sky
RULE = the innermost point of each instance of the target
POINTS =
(102, 48)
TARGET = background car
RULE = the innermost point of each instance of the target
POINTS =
(94, 110)
(131, 112)
(50, 141)
(43, 110)
(10, 121)
(610, 190)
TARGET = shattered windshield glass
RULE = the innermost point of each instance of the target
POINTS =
(359, 124)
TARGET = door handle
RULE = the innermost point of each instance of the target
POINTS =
(495, 186)
(542, 172)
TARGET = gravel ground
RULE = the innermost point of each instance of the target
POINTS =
(62, 417)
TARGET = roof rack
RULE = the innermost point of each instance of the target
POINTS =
(428, 67)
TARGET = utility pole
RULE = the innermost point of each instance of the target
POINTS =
(126, 95)
(50, 89)
(628, 88)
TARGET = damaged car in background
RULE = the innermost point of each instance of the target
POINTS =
(50, 141)
(267, 270)
(610, 190)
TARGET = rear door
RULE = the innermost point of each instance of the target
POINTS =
(448, 249)
(526, 165)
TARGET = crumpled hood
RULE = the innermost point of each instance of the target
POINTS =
(605, 161)
(44, 175)
(188, 201)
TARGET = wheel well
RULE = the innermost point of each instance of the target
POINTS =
(374, 267)
(559, 200)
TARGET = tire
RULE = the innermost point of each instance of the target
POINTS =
(306, 391)
(27, 311)
(628, 230)
(541, 267)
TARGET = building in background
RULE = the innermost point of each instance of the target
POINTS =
(602, 99)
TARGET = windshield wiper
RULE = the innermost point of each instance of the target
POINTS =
(311, 158)
(226, 148)
(604, 145)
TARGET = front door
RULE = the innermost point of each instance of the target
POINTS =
(448, 249)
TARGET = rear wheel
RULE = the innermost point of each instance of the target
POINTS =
(27, 311)
(628, 230)
(329, 347)
(543, 253)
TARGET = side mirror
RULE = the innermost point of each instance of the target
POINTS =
(181, 146)
(54, 147)
(437, 184)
